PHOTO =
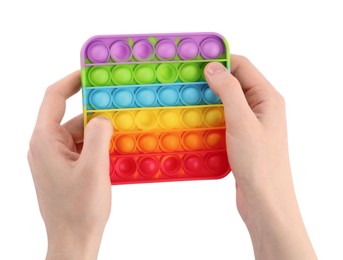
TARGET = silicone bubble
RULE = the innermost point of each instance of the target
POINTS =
(215, 139)
(125, 143)
(169, 119)
(211, 48)
(143, 50)
(188, 49)
(214, 117)
(100, 99)
(170, 165)
(170, 142)
(209, 96)
(166, 73)
(121, 51)
(193, 164)
(145, 74)
(122, 75)
(123, 97)
(189, 72)
(148, 166)
(191, 118)
(146, 120)
(217, 162)
(98, 52)
(147, 143)
(190, 95)
(168, 96)
(124, 121)
(165, 49)
(146, 97)
(126, 167)
(192, 141)
(99, 76)
(202, 71)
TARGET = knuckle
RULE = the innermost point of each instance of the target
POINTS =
(32, 146)
(49, 90)
(278, 101)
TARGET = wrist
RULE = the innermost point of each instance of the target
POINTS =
(72, 243)
(273, 219)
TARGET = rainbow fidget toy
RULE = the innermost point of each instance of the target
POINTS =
(168, 124)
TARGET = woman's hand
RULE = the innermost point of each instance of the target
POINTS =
(71, 175)
(256, 140)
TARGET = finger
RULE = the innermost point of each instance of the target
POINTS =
(247, 74)
(96, 142)
(53, 105)
(227, 87)
(262, 97)
(75, 127)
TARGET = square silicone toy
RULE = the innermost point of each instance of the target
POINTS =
(168, 124)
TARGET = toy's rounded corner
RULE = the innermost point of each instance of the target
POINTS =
(227, 47)
(224, 174)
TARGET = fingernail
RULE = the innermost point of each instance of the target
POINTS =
(214, 68)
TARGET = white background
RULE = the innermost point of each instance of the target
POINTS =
(296, 44)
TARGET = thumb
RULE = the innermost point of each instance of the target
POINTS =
(96, 141)
(228, 88)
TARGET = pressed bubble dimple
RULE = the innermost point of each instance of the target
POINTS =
(145, 74)
(192, 118)
(146, 120)
(120, 51)
(211, 48)
(100, 99)
(97, 52)
(217, 162)
(171, 165)
(193, 164)
(165, 49)
(209, 96)
(99, 76)
(189, 72)
(168, 96)
(126, 167)
(188, 49)
(148, 143)
(124, 121)
(166, 73)
(170, 142)
(122, 75)
(146, 97)
(215, 139)
(123, 98)
(143, 50)
(169, 118)
(192, 141)
(190, 95)
(148, 166)
(125, 143)
(214, 117)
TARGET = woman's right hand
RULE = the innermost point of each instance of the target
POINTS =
(256, 138)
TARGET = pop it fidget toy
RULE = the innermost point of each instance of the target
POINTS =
(168, 124)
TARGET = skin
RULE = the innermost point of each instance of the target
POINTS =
(70, 168)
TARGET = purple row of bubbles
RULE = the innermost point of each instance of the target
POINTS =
(166, 49)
